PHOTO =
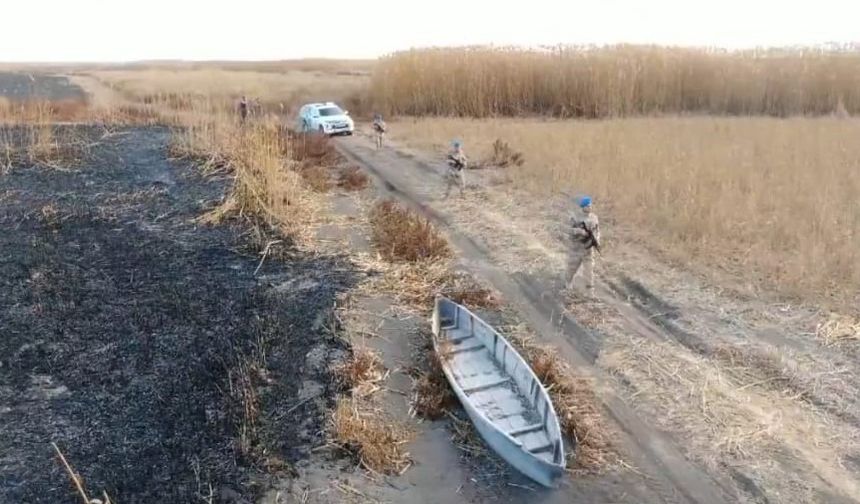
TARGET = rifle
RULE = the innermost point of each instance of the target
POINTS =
(457, 161)
(592, 240)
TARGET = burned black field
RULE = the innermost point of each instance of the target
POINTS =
(40, 86)
(143, 343)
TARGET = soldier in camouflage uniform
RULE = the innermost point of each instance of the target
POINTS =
(379, 128)
(243, 109)
(585, 238)
(456, 176)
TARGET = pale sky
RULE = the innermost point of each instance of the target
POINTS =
(122, 30)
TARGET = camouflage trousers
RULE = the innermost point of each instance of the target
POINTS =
(581, 261)
(378, 136)
(454, 178)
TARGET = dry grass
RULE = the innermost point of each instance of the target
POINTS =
(59, 149)
(315, 155)
(312, 149)
(503, 155)
(316, 177)
(764, 367)
(580, 412)
(614, 81)
(726, 415)
(42, 143)
(245, 406)
(361, 373)
(268, 184)
(7, 155)
(432, 396)
(50, 216)
(375, 440)
(414, 286)
(352, 178)
(38, 111)
(468, 440)
(773, 201)
(401, 235)
(359, 424)
(465, 290)
(839, 330)
(692, 394)
(78, 481)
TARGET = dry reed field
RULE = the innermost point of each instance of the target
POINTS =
(181, 87)
(615, 81)
(777, 198)
(267, 184)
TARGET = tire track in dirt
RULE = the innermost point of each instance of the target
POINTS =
(645, 305)
(651, 317)
(671, 474)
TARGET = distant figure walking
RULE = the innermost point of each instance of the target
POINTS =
(379, 128)
(243, 108)
(585, 239)
(456, 175)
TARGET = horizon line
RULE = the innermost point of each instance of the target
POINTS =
(828, 46)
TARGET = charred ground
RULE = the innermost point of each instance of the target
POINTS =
(144, 344)
(23, 86)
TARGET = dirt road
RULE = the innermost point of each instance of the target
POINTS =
(137, 339)
(705, 409)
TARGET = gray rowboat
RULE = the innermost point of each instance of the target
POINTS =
(499, 391)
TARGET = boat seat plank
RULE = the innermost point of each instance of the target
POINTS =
(544, 447)
(545, 456)
(511, 423)
(491, 381)
(497, 396)
(526, 429)
(466, 347)
(534, 440)
(458, 334)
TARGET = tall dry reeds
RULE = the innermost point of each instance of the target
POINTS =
(29, 134)
(267, 185)
(40, 111)
(615, 81)
(219, 88)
